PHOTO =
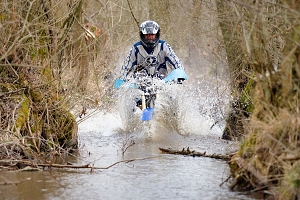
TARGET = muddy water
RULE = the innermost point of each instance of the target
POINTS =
(150, 175)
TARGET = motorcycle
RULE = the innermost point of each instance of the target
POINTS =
(149, 87)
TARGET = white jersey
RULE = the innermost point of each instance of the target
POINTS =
(159, 61)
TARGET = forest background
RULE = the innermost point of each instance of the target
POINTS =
(62, 56)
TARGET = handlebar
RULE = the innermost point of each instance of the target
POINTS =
(178, 76)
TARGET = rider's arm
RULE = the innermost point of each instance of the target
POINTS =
(129, 63)
(171, 57)
(172, 63)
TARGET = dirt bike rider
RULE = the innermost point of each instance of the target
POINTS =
(151, 56)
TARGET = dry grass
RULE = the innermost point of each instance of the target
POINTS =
(269, 35)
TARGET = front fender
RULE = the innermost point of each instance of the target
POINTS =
(121, 82)
(118, 83)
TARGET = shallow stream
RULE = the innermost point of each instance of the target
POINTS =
(150, 174)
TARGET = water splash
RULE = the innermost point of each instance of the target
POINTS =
(183, 109)
(101, 122)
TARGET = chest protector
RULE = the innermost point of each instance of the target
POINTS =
(152, 62)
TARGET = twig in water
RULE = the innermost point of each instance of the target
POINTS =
(213, 125)
(225, 180)
(124, 148)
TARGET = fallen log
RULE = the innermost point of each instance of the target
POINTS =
(188, 152)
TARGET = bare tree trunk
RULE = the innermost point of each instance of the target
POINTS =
(80, 45)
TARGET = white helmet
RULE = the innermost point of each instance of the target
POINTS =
(149, 27)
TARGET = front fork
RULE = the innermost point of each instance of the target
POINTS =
(149, 104)
(143, 101)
